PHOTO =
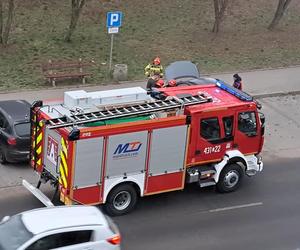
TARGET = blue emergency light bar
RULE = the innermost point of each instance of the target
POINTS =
(232, 90)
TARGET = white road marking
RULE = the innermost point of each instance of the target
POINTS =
(235, 207)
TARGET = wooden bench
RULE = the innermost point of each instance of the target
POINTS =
(54, 71)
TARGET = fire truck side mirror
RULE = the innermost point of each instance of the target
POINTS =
(74, 134)
(258, 105)
(262, 118)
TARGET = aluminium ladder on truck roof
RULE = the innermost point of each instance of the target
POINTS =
(130, 110)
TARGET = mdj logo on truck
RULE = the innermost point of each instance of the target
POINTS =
(127, 150)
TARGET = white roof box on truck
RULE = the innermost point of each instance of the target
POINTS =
(83, 99)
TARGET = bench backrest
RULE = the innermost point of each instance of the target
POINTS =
(66, 65)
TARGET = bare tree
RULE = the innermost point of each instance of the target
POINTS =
(5, 29)
(281, 8)
(1, 21)
(220, 8)
(76, 7)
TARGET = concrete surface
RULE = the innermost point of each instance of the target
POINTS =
(262, 83)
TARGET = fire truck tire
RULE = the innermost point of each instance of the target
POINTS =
(230, 178)
(121, 200)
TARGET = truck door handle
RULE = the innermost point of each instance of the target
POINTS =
(197, 152)
(57, 164)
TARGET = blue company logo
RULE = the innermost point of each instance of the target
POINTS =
(130, 149)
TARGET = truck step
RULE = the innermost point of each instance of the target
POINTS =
(207, 183)
(207, 172)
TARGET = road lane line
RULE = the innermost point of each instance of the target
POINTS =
(235, 207)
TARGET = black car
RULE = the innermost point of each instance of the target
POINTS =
(14, 131)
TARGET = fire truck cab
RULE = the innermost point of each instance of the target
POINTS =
(111, 147)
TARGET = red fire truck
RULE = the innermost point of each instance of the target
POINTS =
(111, 147)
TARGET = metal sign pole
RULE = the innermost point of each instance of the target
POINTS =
(111, 50)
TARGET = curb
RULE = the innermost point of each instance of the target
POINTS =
(276, 94)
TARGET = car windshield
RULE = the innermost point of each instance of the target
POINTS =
(22, 129)
(13, 233)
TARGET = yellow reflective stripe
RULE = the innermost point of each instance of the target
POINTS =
(60, 181)
(39, 138)
(64, 148)
(64, 162)
(62, 175)
(36, 130)
(39, 150)
(39, 162)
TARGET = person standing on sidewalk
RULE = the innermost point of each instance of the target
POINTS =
(154, 68)
(237, 82)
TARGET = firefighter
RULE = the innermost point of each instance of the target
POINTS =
(154, 67)
(237, 82)
(155, 93)
(152, 81)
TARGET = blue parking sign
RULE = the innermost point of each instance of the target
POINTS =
(114, 19)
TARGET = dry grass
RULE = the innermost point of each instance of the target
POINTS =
(172, 29)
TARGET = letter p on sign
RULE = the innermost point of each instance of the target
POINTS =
(114, 19)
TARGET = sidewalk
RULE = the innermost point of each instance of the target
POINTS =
(273, 82)
(261, 83)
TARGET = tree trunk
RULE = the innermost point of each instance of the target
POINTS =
(10, 15)
(281, 8)
(220, 7)
(1, 21)
(217, 20)
(76, 7)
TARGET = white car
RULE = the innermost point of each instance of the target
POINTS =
(63, 227)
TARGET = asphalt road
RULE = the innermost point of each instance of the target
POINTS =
(263, 214)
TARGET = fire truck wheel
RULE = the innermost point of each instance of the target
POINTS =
(230, 178)
(121, 200)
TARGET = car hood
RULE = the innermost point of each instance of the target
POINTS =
(181, 69)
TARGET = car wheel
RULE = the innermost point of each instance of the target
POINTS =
(230, 178)
(2, 157)
(121, 200)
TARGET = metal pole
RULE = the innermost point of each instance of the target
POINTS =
(111, 50)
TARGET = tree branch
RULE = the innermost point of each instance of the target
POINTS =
(1, 21)
(10, 15)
